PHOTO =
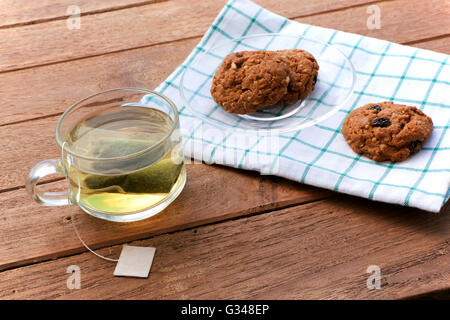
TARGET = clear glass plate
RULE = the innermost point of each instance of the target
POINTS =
(334, 86)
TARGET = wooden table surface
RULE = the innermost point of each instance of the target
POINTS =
(231, 234)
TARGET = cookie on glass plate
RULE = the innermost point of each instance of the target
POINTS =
(250, 80)
(303, 69)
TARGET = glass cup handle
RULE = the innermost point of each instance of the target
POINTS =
(40, 170)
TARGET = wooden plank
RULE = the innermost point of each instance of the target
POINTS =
(52, 42)
(32, 233)
(21, 12)
(319, 250)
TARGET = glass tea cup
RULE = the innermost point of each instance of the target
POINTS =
(121, 154)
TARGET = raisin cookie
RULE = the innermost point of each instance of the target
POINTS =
(249, 80)
(387, 131)
(303, 69)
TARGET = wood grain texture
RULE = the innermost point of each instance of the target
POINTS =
(149, 25)
(33, 233)
(48, 90)
(23, 145)
(22, 12)
(401, 20)
(319, 250)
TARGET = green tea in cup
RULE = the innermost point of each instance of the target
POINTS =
(123, 159)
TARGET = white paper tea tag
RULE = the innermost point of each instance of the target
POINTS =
(135, 261)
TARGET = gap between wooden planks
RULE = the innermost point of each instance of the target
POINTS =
(160, 22)
(319, 250)
(32, 233)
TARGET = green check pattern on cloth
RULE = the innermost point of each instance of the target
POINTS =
(319, 155)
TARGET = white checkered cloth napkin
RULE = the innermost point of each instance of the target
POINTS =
(319, 155)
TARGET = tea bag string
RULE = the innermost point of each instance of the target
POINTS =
(71, 213)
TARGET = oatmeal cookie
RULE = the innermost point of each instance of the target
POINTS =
(250, 80)
(387, 131)
(303, 69)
